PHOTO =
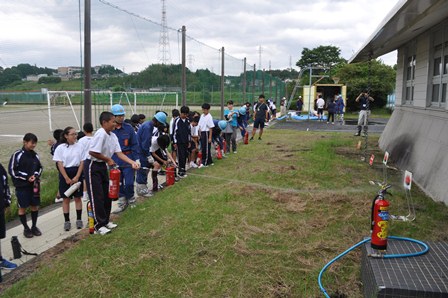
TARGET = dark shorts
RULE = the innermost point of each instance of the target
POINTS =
(259, 123)
(2, 224)
(71, 172)
(26, 198)
(192, 146)
(160, 154)
(320, 111)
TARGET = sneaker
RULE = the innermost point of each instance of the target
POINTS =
(202, 166)
(259, 139)
(67, 226)
(160, 186)
(27, 233)
(110, 225)
(182, 175)
(193, 165)
(251, 139)
(177, 179)
(234, 152)
(102, 231)
(120, 209)
(212, 164)
(36, 231)
(357, 134)
(143, 191)
(5, 264)
(58, 200)
(79, 224)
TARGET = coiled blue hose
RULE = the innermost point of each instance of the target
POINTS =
(426, 249)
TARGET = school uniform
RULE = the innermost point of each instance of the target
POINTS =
(22, 165)
(97, 176)
(205, 124)
(162, 154)
(71, 157)
(5, 200)
(182, 137)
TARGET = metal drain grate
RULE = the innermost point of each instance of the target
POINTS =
(422, 276)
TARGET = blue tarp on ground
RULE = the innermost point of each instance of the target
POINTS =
(305, 117)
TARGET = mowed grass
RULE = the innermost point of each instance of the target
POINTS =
(260, 223)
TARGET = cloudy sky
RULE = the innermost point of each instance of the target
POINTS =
(126, 33)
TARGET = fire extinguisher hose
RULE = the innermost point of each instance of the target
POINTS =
(425, 250)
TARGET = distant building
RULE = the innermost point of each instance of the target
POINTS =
(69, 71)
(416, 136)
(35, 78)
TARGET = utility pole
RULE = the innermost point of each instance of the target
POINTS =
(244, 79)
(184, 72)
(87, 64)
(222, 83)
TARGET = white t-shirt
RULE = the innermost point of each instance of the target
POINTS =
(194, 130)
(320, 103)
(205, 122)
(85, 143)
(104, 143)
(70, 156)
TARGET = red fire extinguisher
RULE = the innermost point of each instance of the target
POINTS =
(114, 184)
(170, 171)
(90, 216)
(218, 152)
(380, 223)
(224, 145)
(199, 159)
(246, 138)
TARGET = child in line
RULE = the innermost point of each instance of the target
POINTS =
(5, 202)
(231, 115)
(85, 142)
(162, 157)
(25, 169)
(53, 145)
(69, 158)
(194, 143)
(205, 127)
(181, 139)
(103, 145)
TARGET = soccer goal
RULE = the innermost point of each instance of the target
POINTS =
(66, 108)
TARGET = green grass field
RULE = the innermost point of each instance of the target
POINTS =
(260, 223)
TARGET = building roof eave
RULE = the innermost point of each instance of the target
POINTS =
(404, 22)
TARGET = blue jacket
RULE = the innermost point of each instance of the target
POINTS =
(22, 165)
(144, 136)
(128, 143)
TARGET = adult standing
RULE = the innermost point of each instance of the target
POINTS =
(340, 109)
(299, 106)
(320, 108)
(283, 106)
(129, 146)
(364, 100)
(260, 116)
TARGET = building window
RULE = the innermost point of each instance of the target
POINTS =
(410, 75)
(439, 65)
